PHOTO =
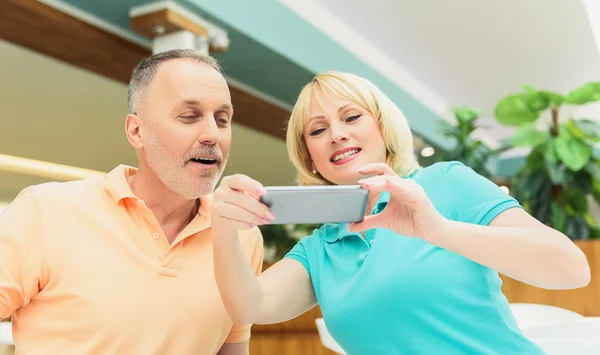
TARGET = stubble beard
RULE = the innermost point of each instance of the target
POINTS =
(173, 173)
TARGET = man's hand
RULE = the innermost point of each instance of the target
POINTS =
(236, 205)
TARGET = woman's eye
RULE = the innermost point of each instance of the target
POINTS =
(352, 118)
(317, 132)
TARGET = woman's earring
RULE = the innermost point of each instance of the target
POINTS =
(314, 172)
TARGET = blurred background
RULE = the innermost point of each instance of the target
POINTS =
(510, 88)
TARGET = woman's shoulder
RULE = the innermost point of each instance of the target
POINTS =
(433, 172)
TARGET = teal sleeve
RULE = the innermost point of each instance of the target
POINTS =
(470, 197)
(298, 253)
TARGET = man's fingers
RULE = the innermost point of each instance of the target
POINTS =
(237, 225)
(240, 182)
(237, 213)
(250, 204)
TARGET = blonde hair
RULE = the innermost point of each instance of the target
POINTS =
(396, 133)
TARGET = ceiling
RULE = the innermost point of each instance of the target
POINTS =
(426, 55)
(55, 112)
(273, 50)
(467, 52)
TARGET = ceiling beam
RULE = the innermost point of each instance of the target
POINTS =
(46, 30)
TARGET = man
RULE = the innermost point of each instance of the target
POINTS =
(123, 265)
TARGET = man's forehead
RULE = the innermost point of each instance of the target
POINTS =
(188, 78)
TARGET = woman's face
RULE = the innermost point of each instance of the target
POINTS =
(342, 137)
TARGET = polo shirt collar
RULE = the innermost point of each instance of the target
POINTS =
(117, 185)
(335, 232)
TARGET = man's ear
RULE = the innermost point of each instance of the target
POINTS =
(132, 129)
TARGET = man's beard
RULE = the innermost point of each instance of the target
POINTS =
(171, 170)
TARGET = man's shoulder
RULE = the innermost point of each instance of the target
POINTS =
(61, 192)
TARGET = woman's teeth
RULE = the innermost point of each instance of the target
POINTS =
(345, 155)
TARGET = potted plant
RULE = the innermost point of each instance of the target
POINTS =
(561, 171)
(468, 150)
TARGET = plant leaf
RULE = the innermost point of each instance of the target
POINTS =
(583, 181)
(574, 153)
(577, 201)
(589, 92)
(550, 152)
(559, 216)
(542, 210)
(596, 190)
(590, 129)
(557, 172)
(593, 168)
(514, 110)
(528, 136)
(534, 183)
(554, 98)
(529, 89)
(465, 114)
(537, 102)
(594, 233)
(577, 228)
(574, 130)
(448, 130)
(535, 159)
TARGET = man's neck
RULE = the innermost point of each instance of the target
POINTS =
(172, 212)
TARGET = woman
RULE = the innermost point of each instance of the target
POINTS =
(419, 275)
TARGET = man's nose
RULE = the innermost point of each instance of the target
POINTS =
(209, 133)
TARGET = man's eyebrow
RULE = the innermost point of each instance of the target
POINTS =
(194, 102)
(189, 102)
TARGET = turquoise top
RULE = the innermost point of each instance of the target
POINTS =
(391, 294)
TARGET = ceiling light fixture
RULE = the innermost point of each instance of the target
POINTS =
(43, 169)
(427, 152)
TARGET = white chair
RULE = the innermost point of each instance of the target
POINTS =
(568, 347)
(326, 338)
(585, 329)
(531, 315)
(6, 337)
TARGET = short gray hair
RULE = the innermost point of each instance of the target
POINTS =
(144, 72)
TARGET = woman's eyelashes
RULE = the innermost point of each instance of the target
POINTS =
(352, 118)
(349, 119)
(316, 132)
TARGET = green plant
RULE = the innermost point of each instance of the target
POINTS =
(468, 150)
(562, 170)
(282, 237)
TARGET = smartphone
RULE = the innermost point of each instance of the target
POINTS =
(316, 204)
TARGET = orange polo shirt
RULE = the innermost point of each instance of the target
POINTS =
(86, 269)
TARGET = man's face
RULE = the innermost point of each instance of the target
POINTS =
(186, 126)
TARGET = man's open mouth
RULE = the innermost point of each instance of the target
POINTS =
(205, 161)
